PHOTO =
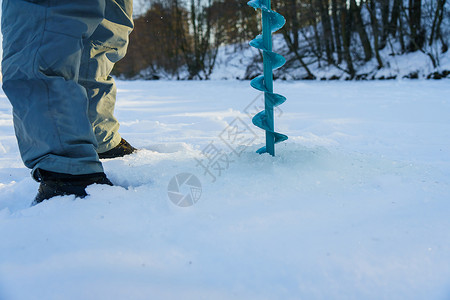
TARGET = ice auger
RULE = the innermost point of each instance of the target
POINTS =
(271, 22)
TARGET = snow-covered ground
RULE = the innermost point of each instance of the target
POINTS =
(355, 205)
(238, 62)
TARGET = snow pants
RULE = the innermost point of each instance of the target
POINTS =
(57, 57)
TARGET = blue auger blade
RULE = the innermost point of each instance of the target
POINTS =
(276, 60)
(258, 83)
(275, 99)
(259, 120)
(254, 3)
(278, 138)
(257, 42)
(259, 4)
(277, 21)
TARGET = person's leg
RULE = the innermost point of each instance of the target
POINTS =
(102, 50)
(42, 48)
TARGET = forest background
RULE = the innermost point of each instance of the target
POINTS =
(322, 39)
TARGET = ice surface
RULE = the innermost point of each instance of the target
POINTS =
(354, 206)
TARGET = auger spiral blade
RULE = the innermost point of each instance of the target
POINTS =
(271, 22)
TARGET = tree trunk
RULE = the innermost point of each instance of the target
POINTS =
(375, 30)
(295, 22)
(291, 34)
(356, 11)
(384, 6)
(337, 32)
(316, 32)
(395, 14)
(401, 30)
(437, 20)
(346, 21)
(326, 28)
(438, 28)
(416, 32)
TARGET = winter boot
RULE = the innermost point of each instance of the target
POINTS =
(124, 148)
(59, 184)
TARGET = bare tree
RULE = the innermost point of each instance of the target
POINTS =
(375, 31)
(359, 26)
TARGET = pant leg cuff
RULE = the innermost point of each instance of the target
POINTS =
(73, 166)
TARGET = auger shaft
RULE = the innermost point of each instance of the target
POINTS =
(268, 78)
(271, 22)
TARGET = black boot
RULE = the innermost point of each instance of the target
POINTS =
(124, 148)
(59, 184)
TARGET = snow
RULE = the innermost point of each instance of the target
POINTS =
(354, 206)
